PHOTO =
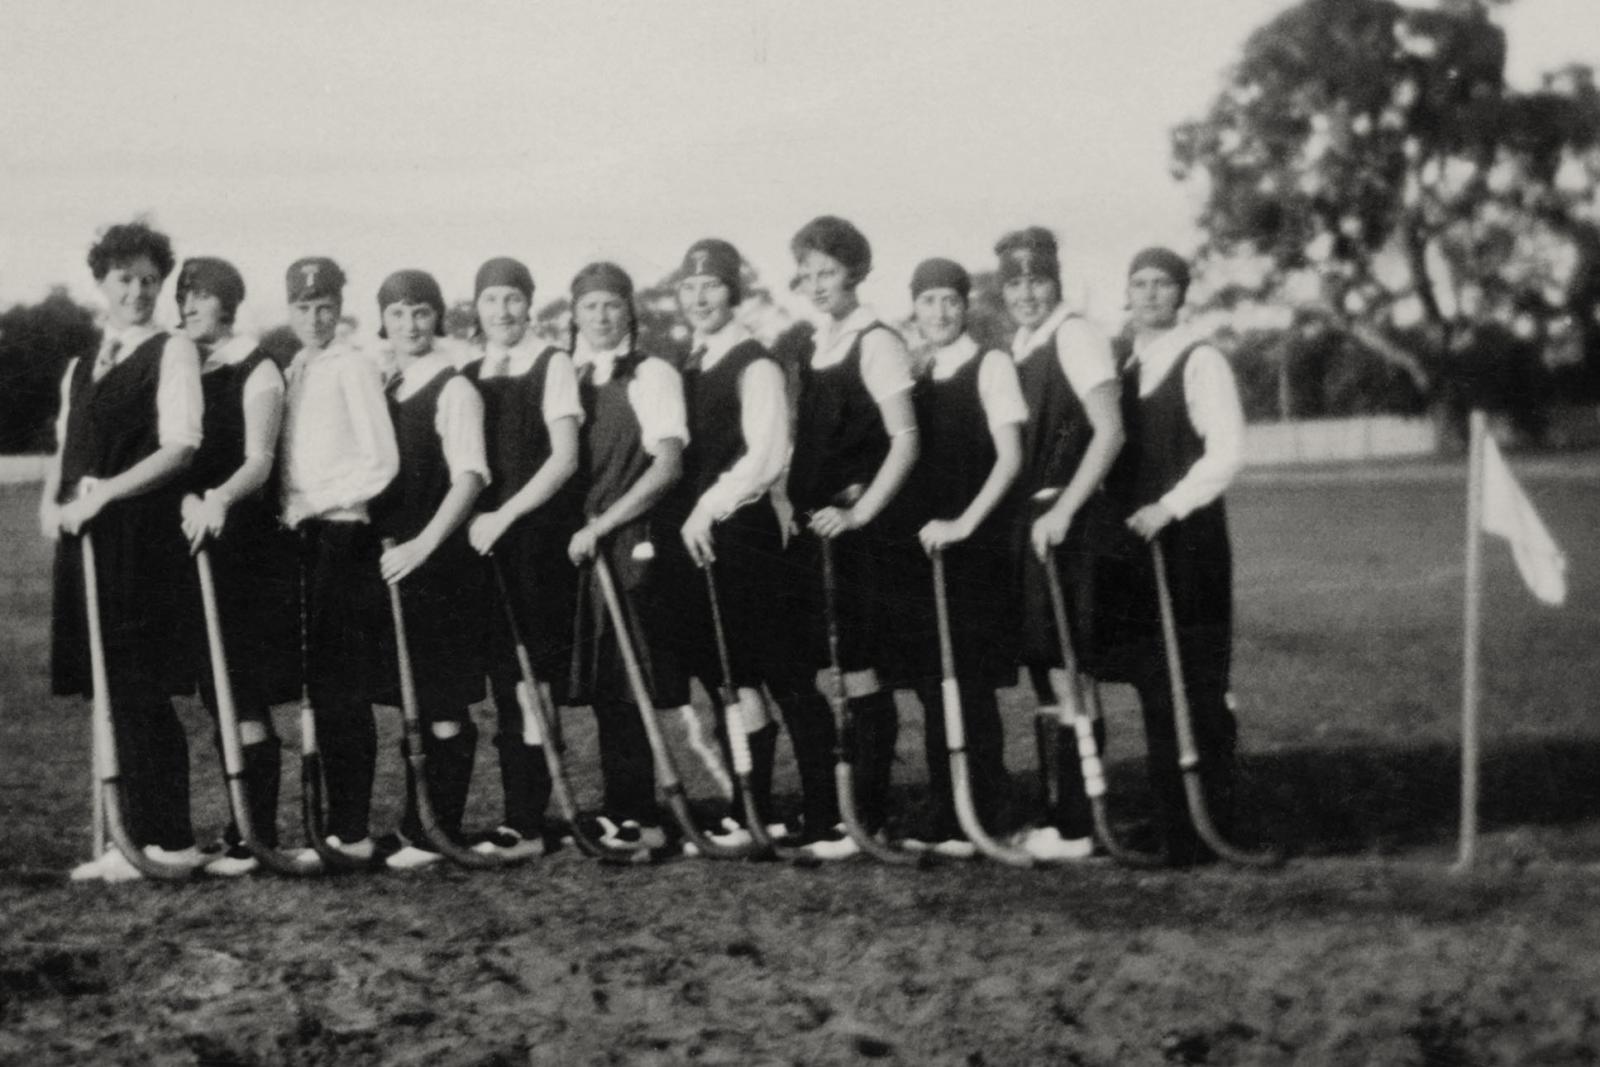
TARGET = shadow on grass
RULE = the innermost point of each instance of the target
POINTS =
(1383, 799)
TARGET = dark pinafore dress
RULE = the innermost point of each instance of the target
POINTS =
(141, 555)
(840, 442)
(955, 457)
(1054, 440)
(445, 600)
(252, 562)
(748, 543)
(612, 459)
(532, 553)
(1162, 446)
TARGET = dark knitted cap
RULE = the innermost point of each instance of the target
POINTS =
(412, 287)
(314, 277)
(1165, 260)
(719, 259)
(503, 270)
(602, 277)
(1029, 253)
(837, 238)
(939, 273)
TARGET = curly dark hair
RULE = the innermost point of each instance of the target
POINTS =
(127, 241)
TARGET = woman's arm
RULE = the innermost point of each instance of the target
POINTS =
(552, 474)
(666, 467)
(886, 368)
(1007, 465)
(263, 415)
(459, 424)
(1104, 409)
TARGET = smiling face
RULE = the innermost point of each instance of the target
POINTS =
(503, 314)
(205, 319)
(940, 315)
(826, 283)
(602, 319)
(706, 303)
(410, 327)
(315, 321)
(1154, 297)
(1030, 298)
(130, 289)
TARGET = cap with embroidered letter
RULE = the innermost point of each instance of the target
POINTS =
(314, 277)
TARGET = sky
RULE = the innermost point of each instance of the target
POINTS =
(436, 135)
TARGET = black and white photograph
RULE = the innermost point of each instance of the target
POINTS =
(1049, 532)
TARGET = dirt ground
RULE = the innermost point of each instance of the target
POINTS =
(1363, 950)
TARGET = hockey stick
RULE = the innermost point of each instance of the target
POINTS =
(733, 724)
(844, 771)
(228, 727)
(955, 734)
(1085, 712)
(666, 766)
(1188, 752)
(105, 738)
(411, 718)
(312, 787)
(554, 750)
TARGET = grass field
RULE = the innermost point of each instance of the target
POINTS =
(1362, 951)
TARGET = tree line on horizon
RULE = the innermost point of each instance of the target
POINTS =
(1388, 225)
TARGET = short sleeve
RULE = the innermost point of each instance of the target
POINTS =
(1000, 391)
(180, 404)
(561, 400)
(1085, 355)
(885, 364)
(459, 424)
(656, 394)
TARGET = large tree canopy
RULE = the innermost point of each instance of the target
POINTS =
(1367, 165)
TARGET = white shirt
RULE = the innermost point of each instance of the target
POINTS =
(655, 394)
(179, 403)
(1083, 351)
(763, 419)
(999, 390)
(560, 400)
(1212, 400)
(337, 447)
(457, 417)
(264, 382)
(885, 360)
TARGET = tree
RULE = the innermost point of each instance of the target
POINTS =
(36, 343)
(1367, 165)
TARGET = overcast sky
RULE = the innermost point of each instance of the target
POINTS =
(435, 135)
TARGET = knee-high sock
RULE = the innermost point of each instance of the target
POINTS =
(626, 763)
(877, 728)
(450, 761)
(263, 766)
(153, 752)
(811, 732)
(348, 737)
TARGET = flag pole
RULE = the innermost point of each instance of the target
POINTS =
(1472, 616)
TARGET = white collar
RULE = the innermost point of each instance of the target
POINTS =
(721, 343)
(603, 362)
(519, 357)
(418, 372)
(233, 350)
(1156, 355)
(945, 361)
(1027, 341)
(836, 331)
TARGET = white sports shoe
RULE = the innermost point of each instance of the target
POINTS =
(412, 858)
(116, 868)
(731, 835)
(176, 857)
(504, 841)
(1046, 843)
(630, 834)
(958, 848)
(95, 869)
(836, 845)
(234, 862)
(357, 850)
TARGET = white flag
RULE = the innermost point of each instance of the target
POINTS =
(1508, 513)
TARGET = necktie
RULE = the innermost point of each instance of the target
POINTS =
(107, 358)
(497, 364)
(696, 358)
